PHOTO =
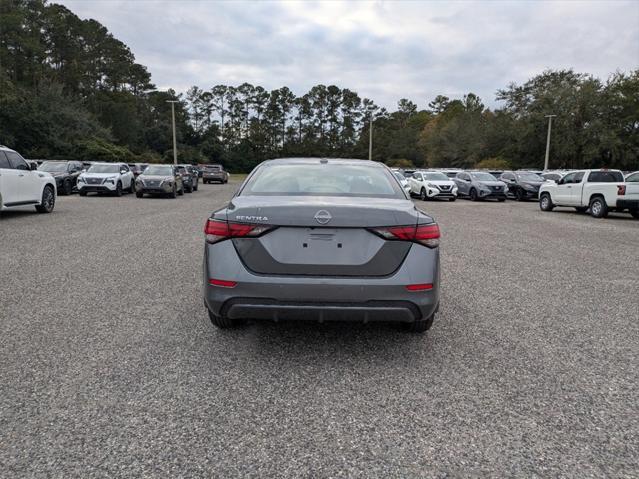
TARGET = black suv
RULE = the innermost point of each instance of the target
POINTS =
(65, 173)
(522, 185)
(189, 177)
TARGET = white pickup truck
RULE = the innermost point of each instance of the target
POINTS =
(599, 191)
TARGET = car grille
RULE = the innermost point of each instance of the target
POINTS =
(495, 188)
(444, 187)
(152, 182)
(94, 181)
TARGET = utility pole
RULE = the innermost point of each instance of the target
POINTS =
(173, 102)
(370, 140)
(550, 117)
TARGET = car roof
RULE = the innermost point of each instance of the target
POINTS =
(314, 161)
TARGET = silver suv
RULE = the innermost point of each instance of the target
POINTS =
(480, 185)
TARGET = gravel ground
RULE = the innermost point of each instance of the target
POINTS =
(109, 366)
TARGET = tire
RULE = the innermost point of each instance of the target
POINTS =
(419, 326)
(139, 194)
(598, 207)
(545, 202)
(82, 193)
(173, 194)
(635, 213)
(581, 209)
(519, 195)
(223, 322)
(422, 194)
(48, 201)
(118, 189)
(473, 194)
(189, 189)
(67, 187)
(452, 199)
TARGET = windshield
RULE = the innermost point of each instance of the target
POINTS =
(529, 177)
(323, 180)
(159, 170)
(104, 169)
(482, 176)
(436, 177)
(53, 167)
(399, 176)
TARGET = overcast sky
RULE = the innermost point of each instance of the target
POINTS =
(384, 50)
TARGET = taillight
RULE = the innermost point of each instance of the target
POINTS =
(621, 190)
(218, 230)
(222, 283)
(428, 235)
(420, 287)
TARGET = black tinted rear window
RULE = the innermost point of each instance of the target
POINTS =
(605, 177)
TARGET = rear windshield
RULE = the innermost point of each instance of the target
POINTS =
(605, 177)
(214, 168)
(323, 180)
(529, 177)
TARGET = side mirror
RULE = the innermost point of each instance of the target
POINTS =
(122, 172)
(33, 166)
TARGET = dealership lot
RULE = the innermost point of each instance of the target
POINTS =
(109, 364)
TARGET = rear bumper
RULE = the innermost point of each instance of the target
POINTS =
(257, 296)
(213, 178)
(628, 204)
(371, 311)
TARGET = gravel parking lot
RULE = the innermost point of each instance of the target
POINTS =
(110, 367)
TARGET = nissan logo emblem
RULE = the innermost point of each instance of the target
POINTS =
(322, 217)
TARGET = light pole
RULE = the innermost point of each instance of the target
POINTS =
(173, 102)
(370, 140)
(550, 117)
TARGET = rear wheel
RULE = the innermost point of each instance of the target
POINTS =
(545, 203)
(473, 194)
(419, 326)
(598, 207)
(67, 187)
(223, 322)
(422, 195)
(48, 201)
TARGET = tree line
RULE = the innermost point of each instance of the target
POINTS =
(69, 89)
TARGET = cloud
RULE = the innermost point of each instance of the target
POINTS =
(382, 50)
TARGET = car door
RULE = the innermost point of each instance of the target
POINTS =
(26, 182)
(126, 176)
(562, 192)
(573, 196)
(511, 182)
(8, 181)
(75, 168)
(463, 183)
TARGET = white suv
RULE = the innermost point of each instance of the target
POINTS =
(23, 185)
(111, 178)
(432, 184)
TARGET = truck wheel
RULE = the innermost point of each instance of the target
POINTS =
(48, 201)
(473, 194)
(419, 326)
(422, 195)
(598, 207)
(545, 203)
(223, 322)
(635, 213)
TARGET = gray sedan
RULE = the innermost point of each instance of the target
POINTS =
(480, 185)
(321, 239)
